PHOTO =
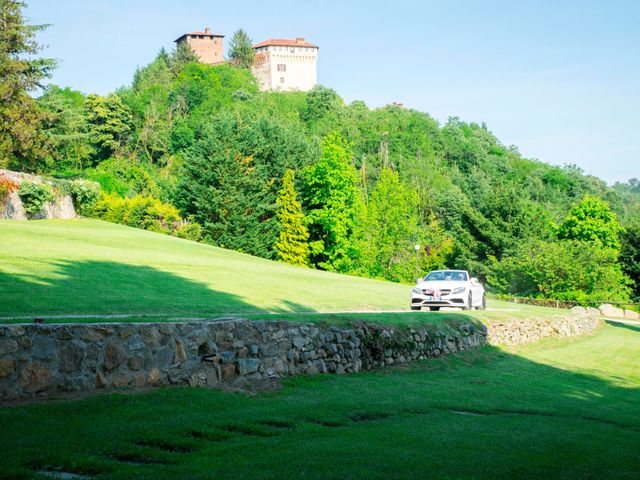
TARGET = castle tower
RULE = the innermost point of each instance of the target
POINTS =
(207, 46)
(286, 65)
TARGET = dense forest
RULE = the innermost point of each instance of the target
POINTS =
(302, 177)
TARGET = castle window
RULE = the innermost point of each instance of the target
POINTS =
(281, 79)
(282, 67)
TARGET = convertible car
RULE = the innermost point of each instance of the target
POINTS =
(448, 288)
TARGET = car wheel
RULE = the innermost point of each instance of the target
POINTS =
(483, 305)
(469, 305)
(415, 308)
(434, 309)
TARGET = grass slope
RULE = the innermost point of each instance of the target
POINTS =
(563, 408)
(68, 267)
(89, 266)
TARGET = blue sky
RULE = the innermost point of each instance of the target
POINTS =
(558, 79)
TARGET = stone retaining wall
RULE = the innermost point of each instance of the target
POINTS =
(13, 209)
(45, 360)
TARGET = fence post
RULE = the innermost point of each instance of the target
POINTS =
(557, 304)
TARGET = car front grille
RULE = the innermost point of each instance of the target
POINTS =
(429, 291)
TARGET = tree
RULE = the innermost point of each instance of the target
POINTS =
(592, 220)
(228, 180)
(291, 246)
(109, 124)
(66, 127)
(182, 56)
(331, 200)
(21, 139)
(571, 270)
(630, 255)
(241, 50)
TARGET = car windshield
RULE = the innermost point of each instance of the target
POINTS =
(446, 275)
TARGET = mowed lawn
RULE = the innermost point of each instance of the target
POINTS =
(562, 408)
(93, 267)
(90, 267)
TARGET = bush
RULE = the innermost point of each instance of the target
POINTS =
(189, 231)
(569, 270)
(7, 187)
(140, 211)
(84, 194)
(35, 195)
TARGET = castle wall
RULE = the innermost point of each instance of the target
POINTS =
(208, 49)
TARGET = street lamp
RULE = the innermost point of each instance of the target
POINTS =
(417, 249)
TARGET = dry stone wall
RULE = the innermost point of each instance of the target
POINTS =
(40, 360)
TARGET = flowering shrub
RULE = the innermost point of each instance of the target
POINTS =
(7, 186)
(35, 195)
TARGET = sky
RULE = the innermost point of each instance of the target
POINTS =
(559, 79)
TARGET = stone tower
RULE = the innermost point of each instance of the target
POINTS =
(207, 46)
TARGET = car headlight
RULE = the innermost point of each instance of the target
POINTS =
(415, 290)
(458, 290)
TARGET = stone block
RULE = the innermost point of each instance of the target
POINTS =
(248, 365)
(114, 356)
(7, 367)
(632, 315)
(35, 378)
(608, 310)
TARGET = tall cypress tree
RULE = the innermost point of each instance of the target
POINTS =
(292, 244)
(21, 138)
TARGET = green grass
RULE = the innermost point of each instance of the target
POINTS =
(89, 267)
(562, 408)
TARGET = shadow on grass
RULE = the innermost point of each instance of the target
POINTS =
(96, 287)
(628, 326)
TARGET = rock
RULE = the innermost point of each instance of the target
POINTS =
(630, 314)
(299, 342)
(121, 379)
(151, 335)
(578, 310)
(7, 346)
(114, 356)
(139, 380)
(181, 354)
(70, 357)
(166, 329)
(125, 332)
(101, 380)
(227, 357)
(608, 310)
(136, 363)
(248, 365)
(154, 376)
(35, 378)
(7, 367)
(228, 371)
(25, 343)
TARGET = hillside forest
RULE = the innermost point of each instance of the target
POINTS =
(199, 152)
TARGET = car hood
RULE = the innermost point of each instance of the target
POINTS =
(442, 285)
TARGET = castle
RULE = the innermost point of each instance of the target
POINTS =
(280, 64)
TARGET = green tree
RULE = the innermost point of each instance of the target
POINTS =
(182, 56)
(292, 245)
(21, 139)
(331, 199)
(630, 255)
(241, 50)
(109, 122)
(66, 128)
(572, 270)
(592, 220)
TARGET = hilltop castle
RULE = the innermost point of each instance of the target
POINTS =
(281, 64)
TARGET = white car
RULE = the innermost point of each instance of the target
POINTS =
(448, 288)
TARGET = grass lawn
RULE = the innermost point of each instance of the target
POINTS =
(70, 267)
(562, 408)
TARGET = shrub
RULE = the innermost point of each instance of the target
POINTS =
(189, 231)
(35, 195)
(84, 194)
(7, 187)
(141, 211)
